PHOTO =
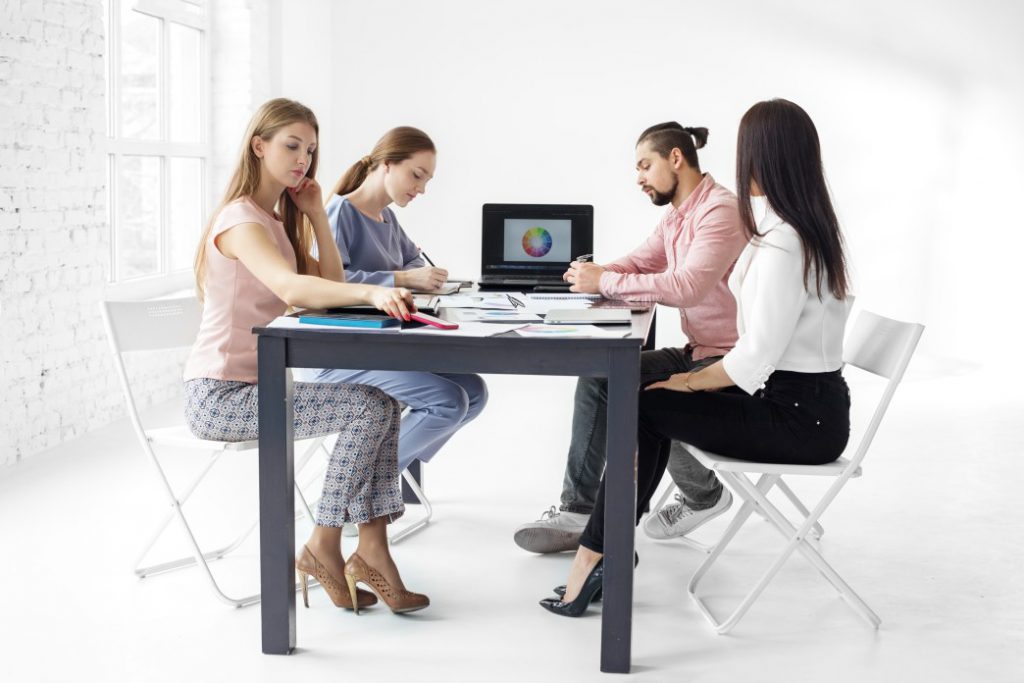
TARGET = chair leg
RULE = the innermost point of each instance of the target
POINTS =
(423, 521)
(817, 530)
(198, 557)
(748, 508)
(797, 539)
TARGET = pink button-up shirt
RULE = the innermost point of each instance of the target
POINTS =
(686, 263)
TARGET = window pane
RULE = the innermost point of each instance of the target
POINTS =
(106, 69)
(183, 84)
(186, 210)
(138, 217)
(140, 51)
(193, 7)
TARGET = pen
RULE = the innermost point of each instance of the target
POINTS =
(424, 255)
(514, 301)
(583, 258)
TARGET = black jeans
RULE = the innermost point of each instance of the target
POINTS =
(798, 418)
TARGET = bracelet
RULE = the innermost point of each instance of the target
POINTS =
(686, 383)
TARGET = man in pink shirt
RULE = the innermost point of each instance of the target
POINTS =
(684, 263)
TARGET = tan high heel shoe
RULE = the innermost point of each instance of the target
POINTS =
(399, 600)
(307, 564)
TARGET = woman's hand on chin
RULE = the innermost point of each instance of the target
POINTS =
(308, 196)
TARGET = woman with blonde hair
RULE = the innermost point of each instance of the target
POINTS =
(254, 261)
(375, 249)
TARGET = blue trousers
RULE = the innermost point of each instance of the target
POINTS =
(439, 404)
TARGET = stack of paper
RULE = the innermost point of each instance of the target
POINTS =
(564, 331)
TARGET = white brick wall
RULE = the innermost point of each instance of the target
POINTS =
(55, 372)
(54, 242)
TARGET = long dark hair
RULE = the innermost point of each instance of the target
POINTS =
(777, 147)
(398, 144)
(664, 137)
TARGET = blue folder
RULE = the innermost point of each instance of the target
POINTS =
(373, 322)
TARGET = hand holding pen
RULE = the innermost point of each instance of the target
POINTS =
(425, 278)
(584, 276)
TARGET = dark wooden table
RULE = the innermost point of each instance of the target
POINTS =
(616, 359)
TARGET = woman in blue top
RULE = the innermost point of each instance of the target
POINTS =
(375, 250)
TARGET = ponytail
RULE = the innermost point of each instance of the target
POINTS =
(352, 178)
(699, 135)
(397, 145)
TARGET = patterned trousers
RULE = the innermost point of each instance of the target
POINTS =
(362, 477)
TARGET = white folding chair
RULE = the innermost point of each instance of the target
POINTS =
(134, 326)
(877, 345)
(428, 509)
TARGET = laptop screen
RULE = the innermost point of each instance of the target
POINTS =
(534, 239)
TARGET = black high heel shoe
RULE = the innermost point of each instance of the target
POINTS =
(560, 590)
(591, 587)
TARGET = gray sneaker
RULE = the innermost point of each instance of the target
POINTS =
(679, 519)
(554, 532)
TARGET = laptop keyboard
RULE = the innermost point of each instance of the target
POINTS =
(557, 280)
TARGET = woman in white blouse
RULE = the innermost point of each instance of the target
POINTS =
(779, 395)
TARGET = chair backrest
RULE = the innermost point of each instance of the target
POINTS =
(883, 347)
(147, 326)
(151, 325)
(880, 345)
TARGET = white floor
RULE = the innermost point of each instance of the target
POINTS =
(930, 537)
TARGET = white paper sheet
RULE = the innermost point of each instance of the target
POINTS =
(476, 315)
(498, 301)
(466, 330)
(566, 331)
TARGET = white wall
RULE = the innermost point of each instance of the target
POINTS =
(918, 107)
(54, 243)
(57, 379)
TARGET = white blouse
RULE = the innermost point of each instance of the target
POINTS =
(781, 325)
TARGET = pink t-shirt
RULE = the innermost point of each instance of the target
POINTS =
(685, 263)
(235, 301)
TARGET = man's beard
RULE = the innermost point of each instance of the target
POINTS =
(663, 198)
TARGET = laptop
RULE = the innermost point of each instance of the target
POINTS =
(588, 316)
(528, 246)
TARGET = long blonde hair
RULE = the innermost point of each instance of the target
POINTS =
(268, 119)
(398, 144)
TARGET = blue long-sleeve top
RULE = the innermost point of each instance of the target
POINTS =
(371, 251)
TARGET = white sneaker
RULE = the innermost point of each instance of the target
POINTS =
(679, 519)
(554, 532)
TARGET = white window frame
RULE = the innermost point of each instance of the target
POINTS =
(166, 280)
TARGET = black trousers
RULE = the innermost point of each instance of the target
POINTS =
(798, 418)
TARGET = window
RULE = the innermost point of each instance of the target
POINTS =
(158, 152)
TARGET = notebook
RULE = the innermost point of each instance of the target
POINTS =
(531, 245)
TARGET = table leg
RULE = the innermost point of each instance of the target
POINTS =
(277, 499)
(620, 510)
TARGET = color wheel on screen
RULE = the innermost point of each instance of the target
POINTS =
(537, 242)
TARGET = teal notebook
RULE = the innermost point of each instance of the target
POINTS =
(366, 321)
